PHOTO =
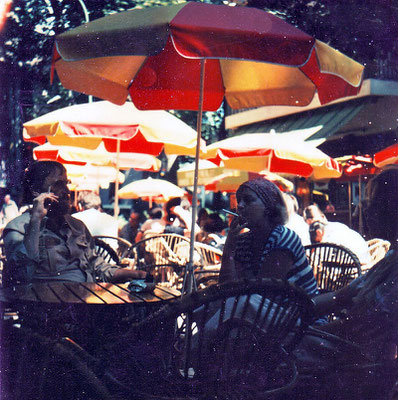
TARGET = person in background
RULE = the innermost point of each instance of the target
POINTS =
(130, 230)
(98, 222)
(203, 216)
(47, 244)
(175, 219)
(295, 221)
(212, 232)
(9, 210)
(336, 232)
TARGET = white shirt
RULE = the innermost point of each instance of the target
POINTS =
(297, 224)
(340, 234)
(98, 223)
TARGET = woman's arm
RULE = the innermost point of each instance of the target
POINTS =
(326, 303)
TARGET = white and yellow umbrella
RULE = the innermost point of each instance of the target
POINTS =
(149, 189)
(277, 153)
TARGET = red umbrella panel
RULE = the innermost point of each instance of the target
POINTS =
(387, 156)
(253, 59)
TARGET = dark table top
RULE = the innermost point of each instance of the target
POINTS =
(58, 293)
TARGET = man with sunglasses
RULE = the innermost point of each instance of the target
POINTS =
(47, 244)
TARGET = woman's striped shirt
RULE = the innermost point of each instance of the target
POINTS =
(281, 238)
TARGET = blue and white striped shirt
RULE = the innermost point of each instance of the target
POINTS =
(281, 238)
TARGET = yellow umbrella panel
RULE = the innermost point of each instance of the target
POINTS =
(87, 125)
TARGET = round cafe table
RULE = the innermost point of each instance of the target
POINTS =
(87, 312)
(71, 293)
(39, 320)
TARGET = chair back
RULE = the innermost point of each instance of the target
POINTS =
(209, 255)
(334, 266)
(378, 248)
(228, 341)
(120, 245)
(160, 255)
(105, 251)
(208, 264)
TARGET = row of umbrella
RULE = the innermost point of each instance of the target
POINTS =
(194, 55)
(86, 134)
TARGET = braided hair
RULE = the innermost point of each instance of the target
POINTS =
(271, 197)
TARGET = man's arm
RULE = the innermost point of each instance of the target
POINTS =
(20, 266)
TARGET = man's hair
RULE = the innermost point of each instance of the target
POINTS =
(35, 176)
(311, 211)
(155, 213)
(88, 199)
(214, 224)
(316, 225)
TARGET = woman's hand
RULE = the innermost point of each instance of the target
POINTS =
(235, 229)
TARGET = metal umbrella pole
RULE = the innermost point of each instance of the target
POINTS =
(189, 283)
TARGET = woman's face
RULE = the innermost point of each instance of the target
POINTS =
(250, 207)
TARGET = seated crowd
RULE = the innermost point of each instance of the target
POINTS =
(46, 243)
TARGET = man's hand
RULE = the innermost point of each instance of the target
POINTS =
(40, 204)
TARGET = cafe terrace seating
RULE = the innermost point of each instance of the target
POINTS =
(166, 255)
(230, 341)
(156, 254)
(334, 266)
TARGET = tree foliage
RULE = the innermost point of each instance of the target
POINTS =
(365, 30)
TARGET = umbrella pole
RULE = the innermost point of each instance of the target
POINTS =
(360, 220)
(116, 208)
(350, 204)
(189, 283)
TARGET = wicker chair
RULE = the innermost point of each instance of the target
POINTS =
(334, 266)
(208, 265)
(231, 341)
(120, 245)
(159, 255)
(344, 371)
(378, 248)
(105, 250)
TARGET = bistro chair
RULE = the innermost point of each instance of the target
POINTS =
(157, 254)
(334, 266)
(208, 266)
(230, 341)
(378, 248)
(106, 251)
(344, 371)
(120, 245)
(40, 367)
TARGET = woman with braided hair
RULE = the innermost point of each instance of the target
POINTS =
(258, 243)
